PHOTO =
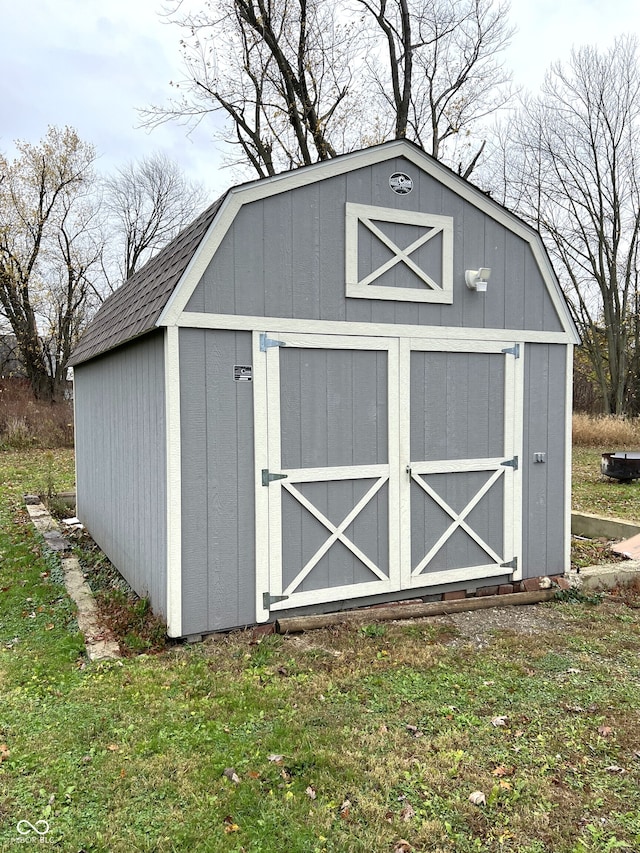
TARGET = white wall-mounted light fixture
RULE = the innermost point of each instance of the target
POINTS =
(477, 279)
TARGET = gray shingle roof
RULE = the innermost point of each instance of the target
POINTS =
(135, 307)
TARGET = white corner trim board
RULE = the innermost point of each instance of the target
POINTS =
(174, 485)
(568, 451)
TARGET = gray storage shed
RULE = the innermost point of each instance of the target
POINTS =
(344, 385)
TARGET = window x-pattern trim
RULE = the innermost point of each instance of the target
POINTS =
(368, 216)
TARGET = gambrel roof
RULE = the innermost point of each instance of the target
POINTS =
(157, 294)
(135, 307)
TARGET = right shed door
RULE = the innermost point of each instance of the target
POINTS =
(461, 405)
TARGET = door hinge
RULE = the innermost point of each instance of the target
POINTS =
(514, 351)
(268, 599)
(511, 463)
(512, 564)
(268, 477)
(266, 342)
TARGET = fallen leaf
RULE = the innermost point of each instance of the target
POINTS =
(49, 627)
(605, 731)
(613, 768)
(414, 730)
(276, 759)
(501, 771)
(231, 774)
(4, 752)
(407, 813)
(383, 730)
(253, 774)
(478, 798)
(345, 809)
(499, 721)
(574, 709)
(488, 683)
(113, 747)
(311, 792)
(402, 846)
(230, 825)
(573, 671)
(506, 786)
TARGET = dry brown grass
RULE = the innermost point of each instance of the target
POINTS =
(26, 422)
(607, 432)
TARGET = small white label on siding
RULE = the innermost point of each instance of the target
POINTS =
(242, 372)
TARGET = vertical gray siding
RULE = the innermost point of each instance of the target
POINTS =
(218, 527)
(284, 256)
(120, 453)
(544, 483)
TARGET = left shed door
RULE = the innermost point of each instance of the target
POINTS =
(327, 483)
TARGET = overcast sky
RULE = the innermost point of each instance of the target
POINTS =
(91, 63)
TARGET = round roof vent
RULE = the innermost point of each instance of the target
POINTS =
(401, 183)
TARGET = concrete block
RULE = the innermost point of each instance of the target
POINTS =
(610, 575)
(595, 526)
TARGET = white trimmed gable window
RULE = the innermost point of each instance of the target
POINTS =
(398, 254)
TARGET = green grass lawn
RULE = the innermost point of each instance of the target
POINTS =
(591, 492)
(344, 740)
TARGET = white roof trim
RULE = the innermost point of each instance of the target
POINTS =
(286, 181)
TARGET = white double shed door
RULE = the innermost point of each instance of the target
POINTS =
(383, 465)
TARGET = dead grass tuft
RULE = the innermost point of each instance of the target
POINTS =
(26, 422)
(607, 432)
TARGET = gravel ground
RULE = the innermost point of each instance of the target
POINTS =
(477, 626)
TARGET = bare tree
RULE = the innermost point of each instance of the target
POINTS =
(46, 252)
(442, 73)
(280, 70)
(302, 80)
(572, 168)
(148, 203)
